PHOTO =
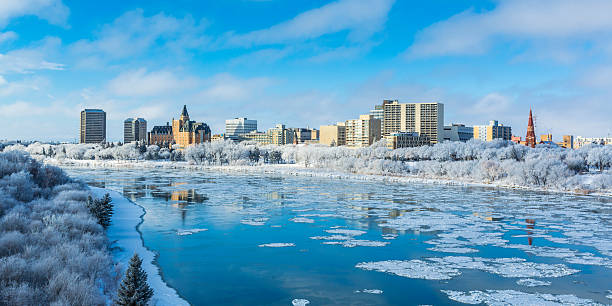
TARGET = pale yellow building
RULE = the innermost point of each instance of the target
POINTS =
(278, 135)
(494, 130)
(333, 135)
(424, 118)
(186, 132)
(362, 132)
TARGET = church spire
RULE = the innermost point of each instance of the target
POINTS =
(184, 113)
(531, 138)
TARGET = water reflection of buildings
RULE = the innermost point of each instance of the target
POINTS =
(489, 216)
(530, 226)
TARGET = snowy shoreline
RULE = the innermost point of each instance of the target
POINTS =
(126, 240)
(300, 170)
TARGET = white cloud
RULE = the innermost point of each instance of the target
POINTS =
(22, 87)
(361, 18)
(228, 88)
(7, 36)
(29, 59)
(133, 33)
(473, 32)
(600, 77)
(493, 104)
(142, 83)
(54, 11)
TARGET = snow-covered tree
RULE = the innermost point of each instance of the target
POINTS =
(134, 290)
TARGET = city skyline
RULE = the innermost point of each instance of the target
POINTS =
(309, 63)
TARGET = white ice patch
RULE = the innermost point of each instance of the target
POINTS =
(300, 302)
(452, 249)
(331, 237)
(357, 242)
(530, 282)
(389, 236)
(277, 245)
(301, 220)
(449, 267)
(254, 221)
(347, 232)
(609, 296)
(512, 297)
(190, 231)
(370, 291)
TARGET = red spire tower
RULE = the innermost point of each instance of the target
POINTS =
(531, 138)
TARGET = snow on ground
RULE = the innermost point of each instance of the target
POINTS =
(512, 297)
(277, 245)
(127, 241)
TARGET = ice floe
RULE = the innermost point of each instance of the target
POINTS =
(348, 232)
(301, 220)
(449, 267)
(530, 282)
(254, 221)
(351, 243)
(190, 231)
(300, 302)
(512, 297)
(370, 291)
(277, 245)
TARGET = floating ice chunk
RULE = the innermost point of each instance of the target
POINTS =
(357, 242)
(277, 245)
(609, 296)
(254, 221)
(347, 232)
(302, 210)
(337, 226)
(300, 302)
(530, 282)
(301, 220)
(412, 269)
(389, 236)
(332, 237)
(319, 215)
(371, 291)
(452, 249)
(512, 297)
(190, 231)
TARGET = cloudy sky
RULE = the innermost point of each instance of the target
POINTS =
(303, 62)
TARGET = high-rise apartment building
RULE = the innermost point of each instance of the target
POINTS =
(424, 118)
(237, 127)
(93, 126)
(458, 132)
(186, 132)
(134, 130)
(362, 132)
(333, 135)
(494, 130)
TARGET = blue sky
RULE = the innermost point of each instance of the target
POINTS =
(303, 63)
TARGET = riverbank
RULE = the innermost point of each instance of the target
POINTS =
(126, 240)
(301, 170)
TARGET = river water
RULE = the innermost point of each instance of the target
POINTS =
(245, 239)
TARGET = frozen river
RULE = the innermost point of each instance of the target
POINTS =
(266, 240)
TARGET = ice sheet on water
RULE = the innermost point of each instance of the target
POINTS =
(512, 297)
(609, 296)
(449, 267)
(301, 220)
(277, 245)
(331, 237)
(530, 282)
(347, 232)
(370, 291)
(300, 302)
(190, 231)
(254, 221)
(389, 236)
(351, 243)
(452, 249)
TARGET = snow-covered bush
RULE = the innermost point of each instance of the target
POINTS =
(52, 251)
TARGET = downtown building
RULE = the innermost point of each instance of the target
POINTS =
(423, 118)
(161, 135)
(362, 132)
(278, 135)
(305, 135)
(93, 126)
(186, 132)
(458, 132)
(333, 135)
(237, 127)
(406, 140)
(134, 130)
(493, 131)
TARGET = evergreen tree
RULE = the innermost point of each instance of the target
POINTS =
(134, 290)
(102, 209)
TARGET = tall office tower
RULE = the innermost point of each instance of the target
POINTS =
(237, 127)
(362, 132)
(134, 130)
(494, 130)
(424, 118)
(93, 126)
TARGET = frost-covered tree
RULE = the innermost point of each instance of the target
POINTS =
(102, 209)
(134, 290)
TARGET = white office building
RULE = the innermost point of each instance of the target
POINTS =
(237, 127)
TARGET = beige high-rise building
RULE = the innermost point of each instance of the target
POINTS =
(494, 130)
(333, 135)
(424, 118)
(93, 126)
(362, 132)
(134, 130)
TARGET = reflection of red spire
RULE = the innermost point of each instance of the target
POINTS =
(530, 139)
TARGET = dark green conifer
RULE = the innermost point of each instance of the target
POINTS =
(134, 290)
